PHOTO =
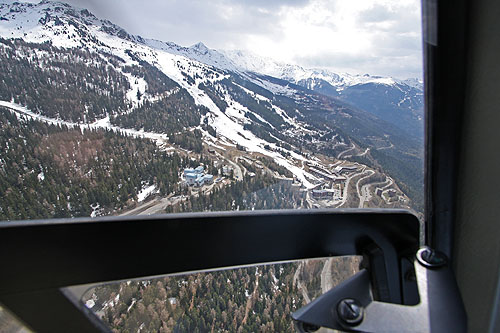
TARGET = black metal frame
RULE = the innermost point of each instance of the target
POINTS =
(433, 305)
(41, 257)
(444, 34)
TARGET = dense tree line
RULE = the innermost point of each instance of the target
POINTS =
(260, 107)
(53, 171)
(272, 165)
(224, 301)
(407, 170)
(188, 140)
(215, 93)
(260, 131)
(71, 84)
(167, 115)
(210, 130)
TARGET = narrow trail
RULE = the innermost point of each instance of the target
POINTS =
(252, 297)
(326, 285)
(326, 276)
(300, 286)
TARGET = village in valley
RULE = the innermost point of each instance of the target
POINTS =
(334, 185)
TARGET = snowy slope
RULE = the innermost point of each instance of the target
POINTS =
(57, 22)
(70, 27)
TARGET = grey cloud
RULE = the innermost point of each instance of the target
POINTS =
(402, 19)
(378, 13)
(224, 24)
(397, 44)
(270, 4)
(329, 59)
(187, 22)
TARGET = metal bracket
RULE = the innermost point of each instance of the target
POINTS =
(351, 307)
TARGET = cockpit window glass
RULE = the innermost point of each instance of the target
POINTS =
(10, 324)
(125, 108)
(256, 299)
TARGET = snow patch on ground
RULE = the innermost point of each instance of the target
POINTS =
(96, 210)
(146, 192)
(272, 87)
(137, 84)
(99, 124)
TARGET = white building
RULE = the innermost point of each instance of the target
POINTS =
(226, 170)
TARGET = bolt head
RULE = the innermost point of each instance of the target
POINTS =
(350, 311)
(431, 258)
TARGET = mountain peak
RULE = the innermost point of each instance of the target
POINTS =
(200, 47)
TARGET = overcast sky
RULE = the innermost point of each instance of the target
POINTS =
(381, 37)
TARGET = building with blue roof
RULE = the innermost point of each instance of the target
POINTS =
(205, 179)
(196, 177)
(191, 177)
(208, 179)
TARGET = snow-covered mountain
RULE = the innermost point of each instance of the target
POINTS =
(59, 23)
(248, 61)
(199, 52)
(93, 72)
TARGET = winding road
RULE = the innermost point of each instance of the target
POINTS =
(364, 195)
(347, 182)
(345, 151)
(238, 174)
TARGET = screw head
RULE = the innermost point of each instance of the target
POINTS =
(431, 258)
(350, 311)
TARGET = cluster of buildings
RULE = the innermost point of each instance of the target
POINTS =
(197, 176)
(335, 176)
(326, 194)
(345, 169)
(332, 181)
(328, 176)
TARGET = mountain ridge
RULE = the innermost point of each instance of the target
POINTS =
(227, 59)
